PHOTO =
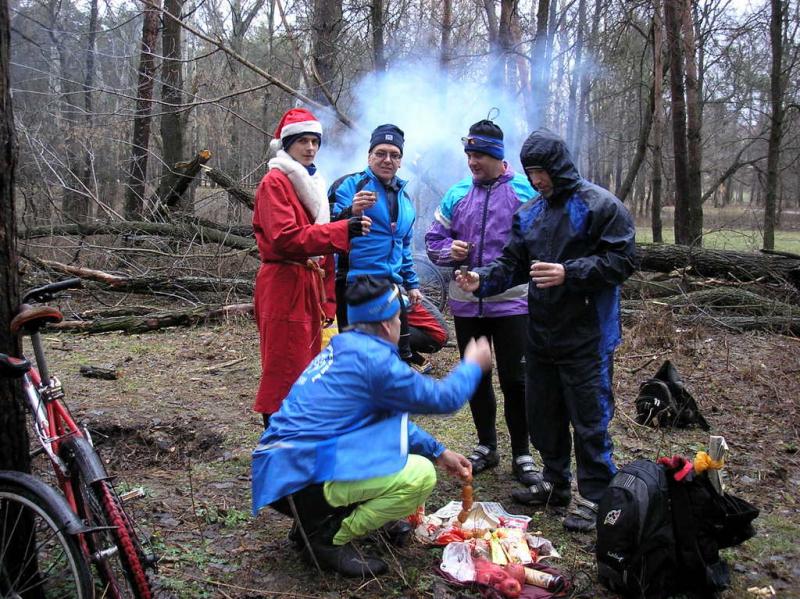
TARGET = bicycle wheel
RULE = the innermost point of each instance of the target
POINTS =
(432, 281)
(113, 546)
(38, 556)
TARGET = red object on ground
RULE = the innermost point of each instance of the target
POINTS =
(496, 577)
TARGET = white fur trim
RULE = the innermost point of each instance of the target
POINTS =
(310, 190)
(302, 127)
(274, 146)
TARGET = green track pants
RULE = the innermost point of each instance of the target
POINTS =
(381, 499)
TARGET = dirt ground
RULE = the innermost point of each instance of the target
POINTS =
(178, 423)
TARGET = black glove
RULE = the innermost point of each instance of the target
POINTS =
(354, 228)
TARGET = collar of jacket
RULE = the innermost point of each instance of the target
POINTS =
(392, 346)
(397, 182)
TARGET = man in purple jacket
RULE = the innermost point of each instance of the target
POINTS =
(471, 226)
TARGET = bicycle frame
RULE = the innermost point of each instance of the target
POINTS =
(53, 422)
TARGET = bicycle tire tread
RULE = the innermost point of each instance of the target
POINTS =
(129, 554)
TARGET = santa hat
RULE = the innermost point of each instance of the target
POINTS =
(295, 122)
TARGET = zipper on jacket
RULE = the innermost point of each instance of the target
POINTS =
(483, 235)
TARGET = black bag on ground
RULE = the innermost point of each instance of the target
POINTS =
(635, 542)
(664, 400)
(657, 536)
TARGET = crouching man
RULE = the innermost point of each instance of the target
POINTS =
(341, 454)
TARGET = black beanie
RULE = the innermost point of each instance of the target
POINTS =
(486, 129)
(387, 134)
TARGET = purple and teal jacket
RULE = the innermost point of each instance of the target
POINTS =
(480, 214)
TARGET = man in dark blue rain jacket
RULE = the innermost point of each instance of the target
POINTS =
(575, 247)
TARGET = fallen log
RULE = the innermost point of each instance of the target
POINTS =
(731, 265)
(229, 185)
(154, 321)
(179, 231)
(106, 373)
(148, 283)
(173, 187)
(738, 324)
(728, 301)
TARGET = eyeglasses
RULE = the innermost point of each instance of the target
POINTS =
(382, 155)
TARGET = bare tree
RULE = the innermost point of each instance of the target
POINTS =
(135, 191)
(694, 142)
(376, 22)
(776, 121)
(657, 133)
(327, 26)
(172, 120)
(14, 448)
(672, 20)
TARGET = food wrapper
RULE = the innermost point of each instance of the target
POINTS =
(484, 515)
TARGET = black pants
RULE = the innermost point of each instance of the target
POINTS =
(403, 345)
(508, 336)
(321, 521)
(576, 391)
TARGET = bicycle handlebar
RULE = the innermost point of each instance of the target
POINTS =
(45, 293)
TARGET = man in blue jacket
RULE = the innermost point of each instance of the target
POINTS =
(575, 247)
(380, 194)
(342, 452)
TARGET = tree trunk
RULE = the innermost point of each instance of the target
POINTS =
(75, 206)
(644, 133)
(446, 52)
(376, 20)
(14, 447)
(572, 104)
(672, 19)
(694, 203)
(536, 117)
(505, 45)
(776, 122)
(135, 191)
(585, 89)
(327, 26)
(88, 84)
(172, 121)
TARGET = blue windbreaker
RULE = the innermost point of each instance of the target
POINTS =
(386, 251)
(346, 417)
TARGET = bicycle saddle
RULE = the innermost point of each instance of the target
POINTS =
(33, 319)
(12, 368)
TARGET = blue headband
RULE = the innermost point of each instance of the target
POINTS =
(378, 309)
(485, 145)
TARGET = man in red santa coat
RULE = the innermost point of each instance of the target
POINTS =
(294, 291)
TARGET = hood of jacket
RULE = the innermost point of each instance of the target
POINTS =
(545, 149)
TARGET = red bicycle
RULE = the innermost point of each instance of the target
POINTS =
(110, 542)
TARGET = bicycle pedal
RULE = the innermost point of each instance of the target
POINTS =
(136, 493)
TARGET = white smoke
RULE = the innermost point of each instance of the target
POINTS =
(435, 112)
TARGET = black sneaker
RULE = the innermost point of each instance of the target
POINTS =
(524, 470)
(543, 493)
(482, 458)
(582, 517)
(346, 560)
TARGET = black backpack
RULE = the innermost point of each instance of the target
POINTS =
(664, 400)
(657, 536)
(635, 542)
